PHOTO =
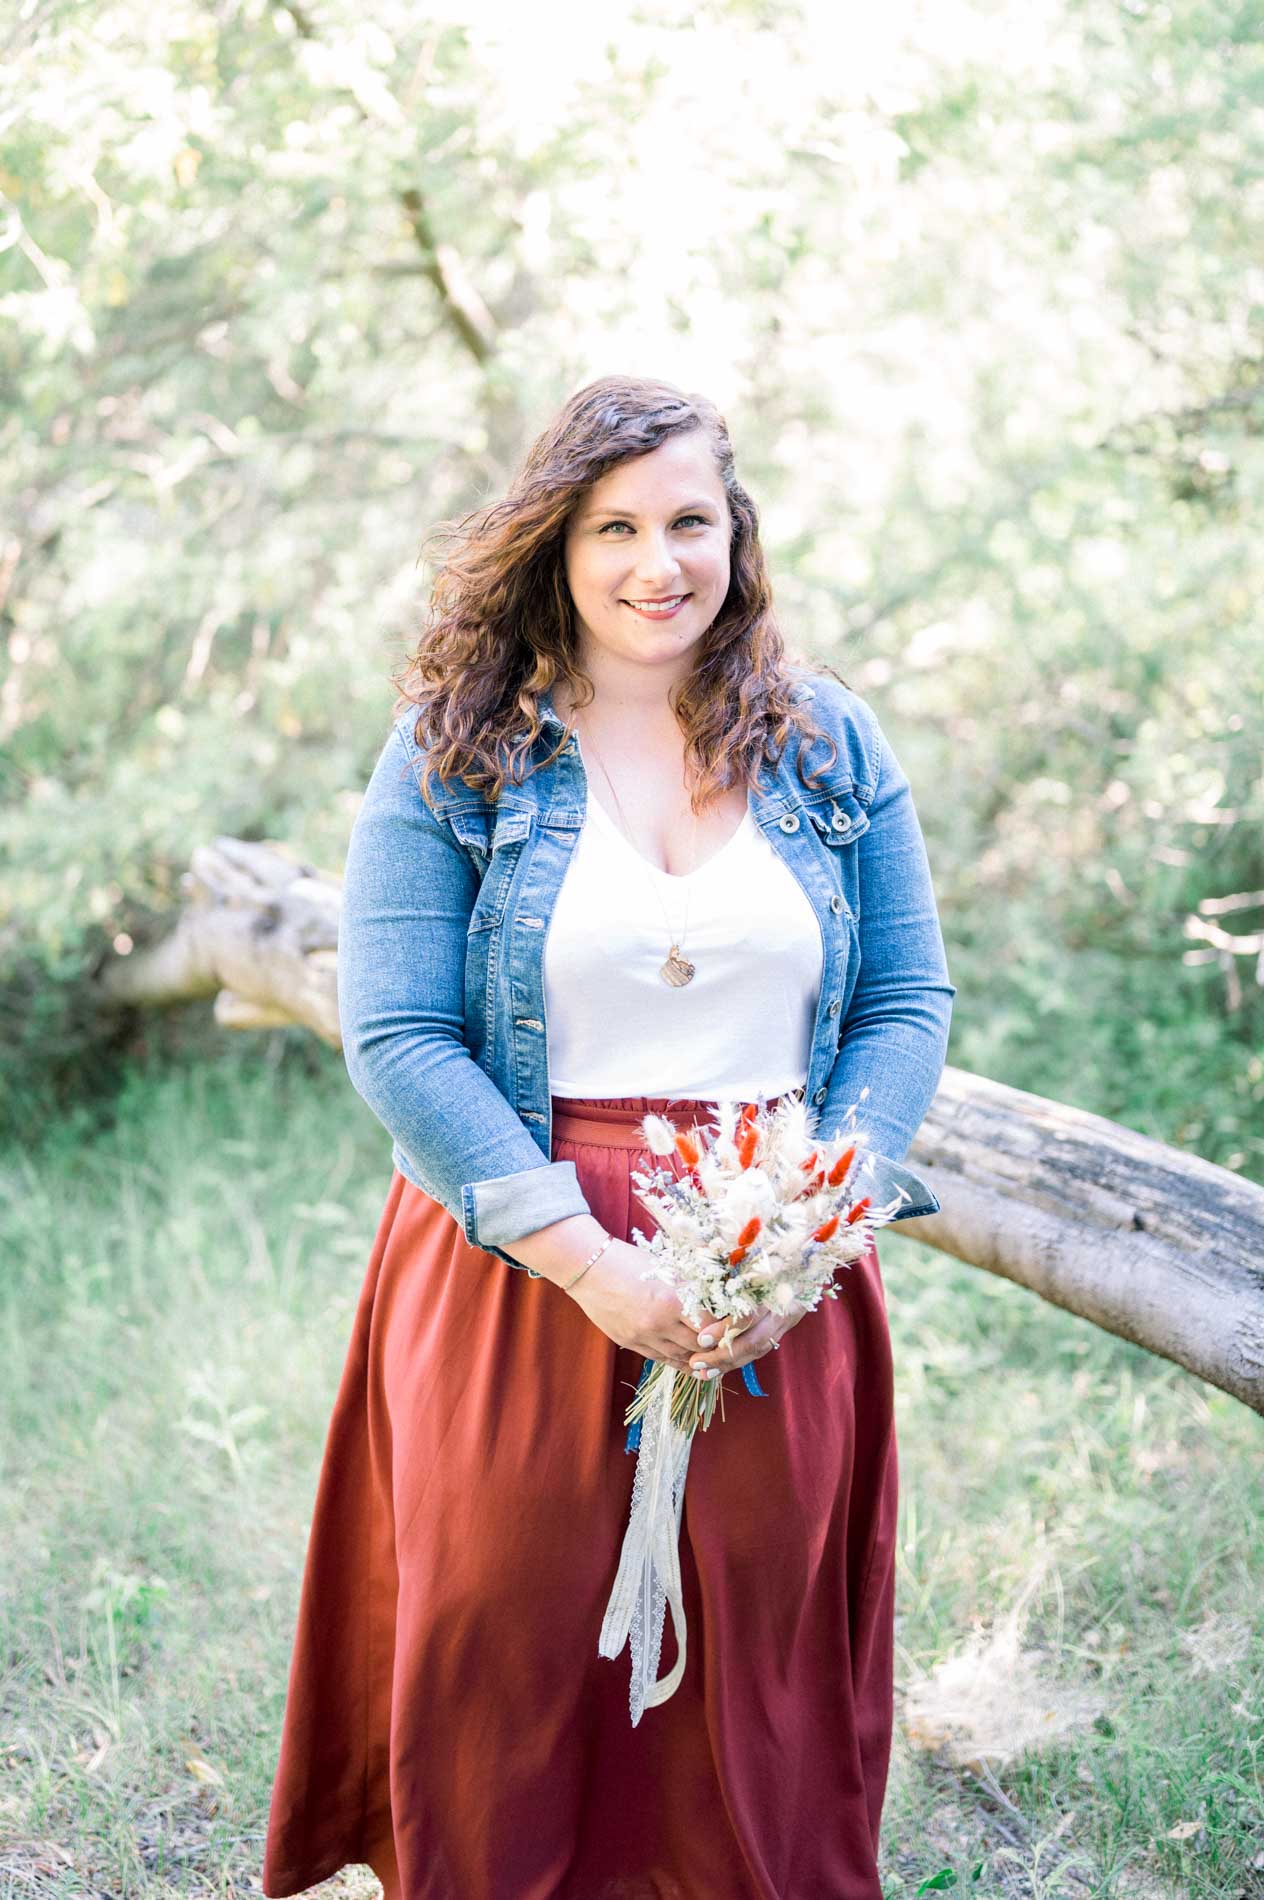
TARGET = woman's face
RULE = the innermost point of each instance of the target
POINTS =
(654, 529)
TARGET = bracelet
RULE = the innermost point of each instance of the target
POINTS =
(588, 1263)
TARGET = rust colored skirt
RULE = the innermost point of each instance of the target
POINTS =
(448, 1718)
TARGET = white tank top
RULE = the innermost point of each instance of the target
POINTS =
(742, 1026)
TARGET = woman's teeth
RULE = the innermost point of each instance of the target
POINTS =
(658, 609)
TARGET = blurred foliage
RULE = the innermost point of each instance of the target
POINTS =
(979, 289)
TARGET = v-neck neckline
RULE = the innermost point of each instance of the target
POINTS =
(673, 877)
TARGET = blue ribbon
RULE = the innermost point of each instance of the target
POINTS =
(752, 1383)
(633, 1440)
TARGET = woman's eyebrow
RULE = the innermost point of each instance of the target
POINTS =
(630, 514)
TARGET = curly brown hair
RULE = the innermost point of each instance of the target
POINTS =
(500, 624)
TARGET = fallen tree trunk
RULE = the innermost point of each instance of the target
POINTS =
(1146, 1241)
(1149, 1242)
(259, 933)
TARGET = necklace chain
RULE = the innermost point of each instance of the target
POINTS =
(676, 970)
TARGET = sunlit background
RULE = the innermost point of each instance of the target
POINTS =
(980, 290)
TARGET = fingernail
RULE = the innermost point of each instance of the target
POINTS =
(699, 1365)
(713, 1372)
(706, 1339)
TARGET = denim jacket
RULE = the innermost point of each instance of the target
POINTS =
(441, 953)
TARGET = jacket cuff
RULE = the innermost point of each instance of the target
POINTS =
(504, 1208)
(881, 1179)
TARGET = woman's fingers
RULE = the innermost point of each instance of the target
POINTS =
(757, 1337)
(736, 1342)
(681, 1344)
(751, 1342)
(712, 1331)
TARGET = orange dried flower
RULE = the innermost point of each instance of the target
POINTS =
(688, 1150)
(838, 1173)
(746, 1146)
(744, 1239)
(855, 1213)
(826, 1228)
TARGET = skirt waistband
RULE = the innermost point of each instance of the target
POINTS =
(615, 1121)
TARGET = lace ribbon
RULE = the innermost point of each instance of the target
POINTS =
(648, 1577)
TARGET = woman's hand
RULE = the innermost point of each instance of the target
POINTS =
(643, 1315)
(759, 1335)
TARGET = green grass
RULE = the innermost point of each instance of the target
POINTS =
(177, 1293)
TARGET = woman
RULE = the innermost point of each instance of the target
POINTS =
(594, 875)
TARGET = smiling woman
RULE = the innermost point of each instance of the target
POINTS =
(627, 499)
(653, 538)
(524, 973)
(642, 544)
(651, 544)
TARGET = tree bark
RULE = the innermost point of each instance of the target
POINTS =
(1144, 1240)
(259, 933)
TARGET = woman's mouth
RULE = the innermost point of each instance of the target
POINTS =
(658, 609)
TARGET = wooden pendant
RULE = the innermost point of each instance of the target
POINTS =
(677, 970)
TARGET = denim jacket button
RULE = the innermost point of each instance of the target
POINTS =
(819, 1097)
(836, 903)
(841, 821)
(834, 1007)
(790, 822)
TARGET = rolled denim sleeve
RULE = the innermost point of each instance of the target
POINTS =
(894, 1037)
(407, 895)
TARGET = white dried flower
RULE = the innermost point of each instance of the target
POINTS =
(660, 1135)
(751, 1192)
(726, 1113)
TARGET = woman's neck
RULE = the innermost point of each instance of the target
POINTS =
(641, 717)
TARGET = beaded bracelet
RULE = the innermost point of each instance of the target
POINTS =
(592, 1258)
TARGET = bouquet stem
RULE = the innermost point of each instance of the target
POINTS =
(693, 1403)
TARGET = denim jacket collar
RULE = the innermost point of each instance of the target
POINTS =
(778, 789)
(803, 689)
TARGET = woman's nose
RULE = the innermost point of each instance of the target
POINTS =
(656, 564)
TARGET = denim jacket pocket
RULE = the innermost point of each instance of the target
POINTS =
(840, 819)
(839, 822)
(490, 838)
(472, 826)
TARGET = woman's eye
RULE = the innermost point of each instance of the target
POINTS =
(625, 524)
